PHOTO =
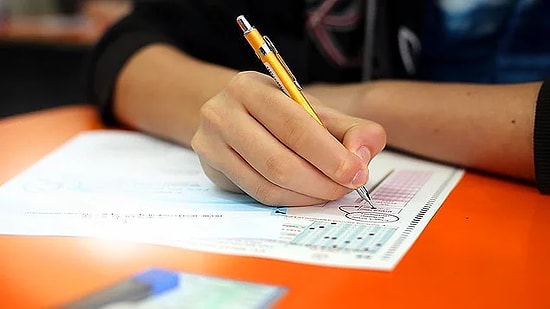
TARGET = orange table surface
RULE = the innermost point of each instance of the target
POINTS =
(488, 246)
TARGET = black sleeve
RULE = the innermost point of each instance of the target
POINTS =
(541, 137)
(183, 24)
(110, 54)
(69, 6)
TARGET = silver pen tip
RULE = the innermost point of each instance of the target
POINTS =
(244, 24)
(364, 194)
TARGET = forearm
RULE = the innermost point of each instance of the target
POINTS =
(487, 127)
(161, 90)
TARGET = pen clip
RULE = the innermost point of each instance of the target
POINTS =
(272, 47)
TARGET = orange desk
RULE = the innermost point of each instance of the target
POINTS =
(487, 247)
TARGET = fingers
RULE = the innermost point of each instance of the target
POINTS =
(296, 129)
(278, 164)
(362, 137)
(253, 138)
(236, 175)
(225, 124)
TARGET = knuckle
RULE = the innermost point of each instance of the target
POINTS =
(265, 193)
(239, 82)
(196, 143)
(206, 147)
(212, 116)
(201, 149)
(276, 169)
(272, 99)
(342, 173)
(295, 135)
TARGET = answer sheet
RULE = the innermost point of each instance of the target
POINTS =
(130, 186)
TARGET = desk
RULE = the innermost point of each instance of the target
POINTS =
(487, 247)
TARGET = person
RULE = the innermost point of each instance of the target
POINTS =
(459, 82)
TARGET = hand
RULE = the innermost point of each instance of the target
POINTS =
(252, 138)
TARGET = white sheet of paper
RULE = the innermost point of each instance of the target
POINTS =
(129, 186)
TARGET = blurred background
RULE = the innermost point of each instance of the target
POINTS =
(44, 49)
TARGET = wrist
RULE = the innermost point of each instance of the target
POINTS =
(335, 96)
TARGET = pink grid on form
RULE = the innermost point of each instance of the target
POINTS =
(399, 189)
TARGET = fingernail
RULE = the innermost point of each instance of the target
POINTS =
(364, 153)
(360, 178)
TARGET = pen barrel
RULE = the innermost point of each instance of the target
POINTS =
(255, 40)
(276, 67)
(287, 84)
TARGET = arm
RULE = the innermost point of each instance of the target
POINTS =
(145, 71)
(166, 103)
(485, 127)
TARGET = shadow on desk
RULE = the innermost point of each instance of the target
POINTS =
(38, 76)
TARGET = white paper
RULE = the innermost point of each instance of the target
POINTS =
(130, 186)
(123, 185)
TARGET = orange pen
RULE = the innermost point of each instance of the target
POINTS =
(276, 66)
(270, 57)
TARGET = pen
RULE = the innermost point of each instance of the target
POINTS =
(148, 283)
(277, 68)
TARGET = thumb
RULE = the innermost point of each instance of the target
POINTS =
(363, 137)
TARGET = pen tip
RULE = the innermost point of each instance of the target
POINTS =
(365, 196)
